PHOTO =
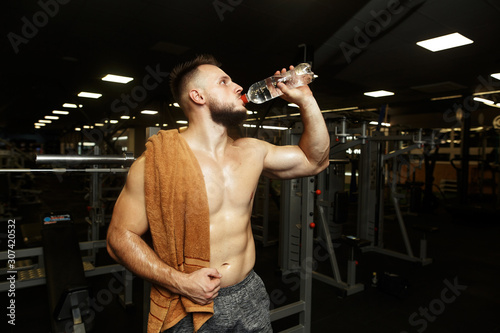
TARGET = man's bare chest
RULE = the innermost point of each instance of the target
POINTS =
(230, 182)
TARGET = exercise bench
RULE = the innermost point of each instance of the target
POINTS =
(68, 292)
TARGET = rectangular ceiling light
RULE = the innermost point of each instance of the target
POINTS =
(486, 93)
(445, 42)
(181, 121)
(45, 121)
(149, 112)
(445, 97)
(51, 117)
(71, 105)
(379, 93)
(87, 94)
(60, 112)
(117, 78)
(496, 76)
(484, 100)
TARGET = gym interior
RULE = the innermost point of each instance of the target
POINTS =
(400, 232)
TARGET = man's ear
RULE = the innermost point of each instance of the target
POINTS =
(197, 96)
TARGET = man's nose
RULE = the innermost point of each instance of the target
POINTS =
(239, 89)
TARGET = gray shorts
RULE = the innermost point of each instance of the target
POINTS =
(243, 307)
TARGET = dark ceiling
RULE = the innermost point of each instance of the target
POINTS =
(53, 49)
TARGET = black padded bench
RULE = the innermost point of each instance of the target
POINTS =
(68, 292)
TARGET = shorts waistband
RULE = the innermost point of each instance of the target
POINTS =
(239, 286)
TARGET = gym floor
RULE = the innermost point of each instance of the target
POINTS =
(458, 292)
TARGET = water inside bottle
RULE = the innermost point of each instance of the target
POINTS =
(271, 83)
(266, 89)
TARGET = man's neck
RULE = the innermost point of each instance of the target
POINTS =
(207, 136)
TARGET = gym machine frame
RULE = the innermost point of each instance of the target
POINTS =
(294, 194)
(326, 185)
(32, 275)
(370, 206)
(296, 240)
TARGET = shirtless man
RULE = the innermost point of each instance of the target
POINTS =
(211, 102)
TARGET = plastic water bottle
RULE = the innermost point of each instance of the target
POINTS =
(265, 90)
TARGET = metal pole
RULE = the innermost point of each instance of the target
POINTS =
(463, 182)
(379, 183)
(63, 170)
(125, 159)
(307, 260)
(329, 245)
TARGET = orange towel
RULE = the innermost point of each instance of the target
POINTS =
(177, 210)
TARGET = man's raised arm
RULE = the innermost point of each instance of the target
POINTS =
(311, 156)
(125, 245)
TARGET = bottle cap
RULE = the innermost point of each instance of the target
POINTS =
(244, 98)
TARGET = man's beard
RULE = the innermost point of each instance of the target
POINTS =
(226, 115)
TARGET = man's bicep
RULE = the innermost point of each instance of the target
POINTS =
(129, 213)
(285, 162)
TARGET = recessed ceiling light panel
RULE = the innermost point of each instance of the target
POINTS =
(87, 94)
(445, 42)
(149, 112)
(484, 100)
(70, 105)
(117, 78)
(379, 93)
(60, 112)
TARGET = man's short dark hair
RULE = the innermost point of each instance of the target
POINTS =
(183, 73)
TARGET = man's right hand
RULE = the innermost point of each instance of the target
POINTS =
(201, 286)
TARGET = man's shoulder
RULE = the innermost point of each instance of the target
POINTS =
(136, 171)
(250, 143)
(139, 163)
